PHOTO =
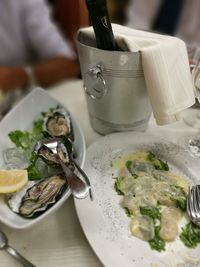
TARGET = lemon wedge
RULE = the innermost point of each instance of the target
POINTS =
(12, 180)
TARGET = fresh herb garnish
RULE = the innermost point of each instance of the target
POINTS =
(152, 212)
(180, 202)
(157, 243)
(26, 139)
(129, 213)
(117, 185)
(33, 172)
(21, 139)
(157, 163)
(178, 195)
(37, 128)
(190, 235)
(129, 166)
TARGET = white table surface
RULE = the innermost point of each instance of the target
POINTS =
(59, 240)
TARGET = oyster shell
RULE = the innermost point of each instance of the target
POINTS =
(49, 158)
(14, 199)
(43, 194)
(58, 124)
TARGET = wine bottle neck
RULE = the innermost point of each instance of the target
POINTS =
(101, 23)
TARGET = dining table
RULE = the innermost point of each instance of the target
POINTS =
(59, 239)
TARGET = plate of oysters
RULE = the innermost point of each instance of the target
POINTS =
(32, 182)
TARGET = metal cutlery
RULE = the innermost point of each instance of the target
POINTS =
(193, 204)
(78, 187)
(13, 252)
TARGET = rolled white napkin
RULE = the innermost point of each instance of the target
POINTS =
(166, 70)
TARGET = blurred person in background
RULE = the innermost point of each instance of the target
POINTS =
(117, 10)
(173, 17)
(32, 50)
(70, 16)
(178, 17)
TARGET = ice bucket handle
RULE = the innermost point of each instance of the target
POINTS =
(95, 85)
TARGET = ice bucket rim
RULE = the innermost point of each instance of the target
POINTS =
(79, 42)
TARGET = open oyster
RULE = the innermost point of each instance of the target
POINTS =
(41, 195)
(58, 124)
(14, 199)
(49, 157)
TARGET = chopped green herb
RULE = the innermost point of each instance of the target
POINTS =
(26, 139)
(21, 139)
(129, 213)
(153, 212)
(180, 202)
(37, 127)
(128, 165)
(33, 172)
(157, 243)
(130, 169)
(178, 196)
(33, 158)
(190, 235)
(117, 185)
(157, 163)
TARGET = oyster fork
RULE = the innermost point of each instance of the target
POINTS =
(193, 204)
(78, 187)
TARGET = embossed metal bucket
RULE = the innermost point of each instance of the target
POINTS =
(115, 88)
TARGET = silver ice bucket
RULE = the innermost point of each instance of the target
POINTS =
(114, 86)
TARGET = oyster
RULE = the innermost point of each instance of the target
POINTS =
(48, 157)
(58, 124)
(14, 199)
(41, 195)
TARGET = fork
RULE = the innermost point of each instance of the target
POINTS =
(79, 188)
(193, 204)
(4, 245)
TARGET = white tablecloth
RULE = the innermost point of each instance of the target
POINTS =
(59, 240)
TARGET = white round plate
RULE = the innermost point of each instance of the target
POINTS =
(105, 223)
